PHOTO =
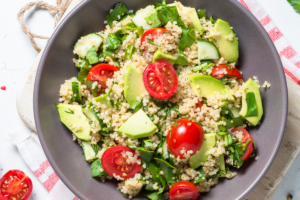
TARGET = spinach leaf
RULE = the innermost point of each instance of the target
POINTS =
(187, 39)
(154, 171)
(153, 195)
(84, 70)
(181, 59)
(146, 155)
(235, 122)
(153, 21)
(168, 171)
(137, 106)
(112, 42)
(202, 178)
(295, 4)
(91, 55)
(120, 36)
(94, 90)
(96, 148)
(119, 10)
(109, 52)
(170, 14)
(130, 50)
(251, 105)
(163, 182)
(202, 13)
(97, 169)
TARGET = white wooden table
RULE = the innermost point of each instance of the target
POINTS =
(17, 55)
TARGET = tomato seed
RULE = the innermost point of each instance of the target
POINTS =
(25, 185)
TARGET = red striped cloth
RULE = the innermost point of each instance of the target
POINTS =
(34, 156)
(289, 57)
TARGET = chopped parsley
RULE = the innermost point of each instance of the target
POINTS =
(151, 41)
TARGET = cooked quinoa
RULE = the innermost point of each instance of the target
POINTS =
(218, 114)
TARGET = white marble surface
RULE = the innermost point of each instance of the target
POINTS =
(17, 55)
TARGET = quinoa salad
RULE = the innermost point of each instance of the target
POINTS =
(159, 103)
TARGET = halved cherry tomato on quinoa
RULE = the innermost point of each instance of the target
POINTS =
(221, 71)
(186, 135)
(152, 33)
(101, 73)
(116, 162)
(183, 190)
(250, 147)
(15, 185)
(160, 79)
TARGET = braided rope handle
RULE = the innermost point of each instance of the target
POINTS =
(57, 11)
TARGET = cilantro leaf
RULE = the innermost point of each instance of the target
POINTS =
(112, 42)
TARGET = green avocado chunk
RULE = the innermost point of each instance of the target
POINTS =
(73, 117)
(134, 89)
(160, 55)
(206, 86)
(209, 143)
(226, 41)
(138, 126)
(102, 99)
(250, 86)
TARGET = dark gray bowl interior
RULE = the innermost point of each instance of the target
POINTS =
(258, 57)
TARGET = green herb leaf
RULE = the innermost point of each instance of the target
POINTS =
(91, 55)
(120, 36)
(109, 52)
(251, 105)
(96, 148)
(84, 70)
(147, 143)
(137, 106)
(131, 26)
(202, 13)
(146, 155)
(177, 73)
(119, 10)
(212, 20)
(90, 86)
(106, 133)
(140, 31)
(97, 169)
(153, 195)
(236, 153)
(112, 42)
(295, 4)
(203, 67)
(154, 171)
(153, 21)
(70, 111)
(187, 39)
(151, 41)
(235, 122)
(181, 59)
(200, 178)
(170, 14)
(168, 171)
(130, 50)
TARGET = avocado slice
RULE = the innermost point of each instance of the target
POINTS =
(222, 165)
(209, 143)
(133, 85)
(228, 49)
(206, 86)
(191, 13)
(250, 86)
(72, 115)
(160, 55)
(138, 126)
(89, 153)
(102, 99)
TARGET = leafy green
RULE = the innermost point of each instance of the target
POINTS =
(70, 111)
(84, 70)
(153, 195)
(109, 52)
(295, 4)
(181, 59)
(114, 60)
(226, 80)
(91, 55)
(251, 105)
(202, 13)
(120, 36)
(137, 106)
(117, 103)
(103, 126)
(119, 10)
(167, 171)
(203, 67)
(146, 155)
(147, 143)
(106, 133)
(177, 73)
(151, 41)
(202, 178)
(187, 39)
(235, 122)
(130, 50)
(235, 154)
(96, 148)
(153, 21)
(112, 42)
(154, 171)
(140, 31)
(97, 169)
(212, 19)
(170, 14)
(94, 90)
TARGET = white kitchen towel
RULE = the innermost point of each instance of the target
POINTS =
(34, 156)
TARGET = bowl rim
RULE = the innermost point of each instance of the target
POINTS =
(42, 64)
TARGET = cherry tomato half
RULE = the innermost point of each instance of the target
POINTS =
(250, 147)
(152, 33)
(101, 73)
(113, 162)
(224, 71)
(183, 190)
(185, 134)
(15, 185)
(160, 79)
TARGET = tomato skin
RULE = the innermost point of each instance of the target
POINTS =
(101, 73)
(250, 147)
(183, 190)
(153, 32)
(186, 134)
(113, 162)
(223, 71)
(14, 182)
(160, 79)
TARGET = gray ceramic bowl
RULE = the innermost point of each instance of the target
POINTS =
(258, 57)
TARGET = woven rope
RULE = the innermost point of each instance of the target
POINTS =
(57, 11)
